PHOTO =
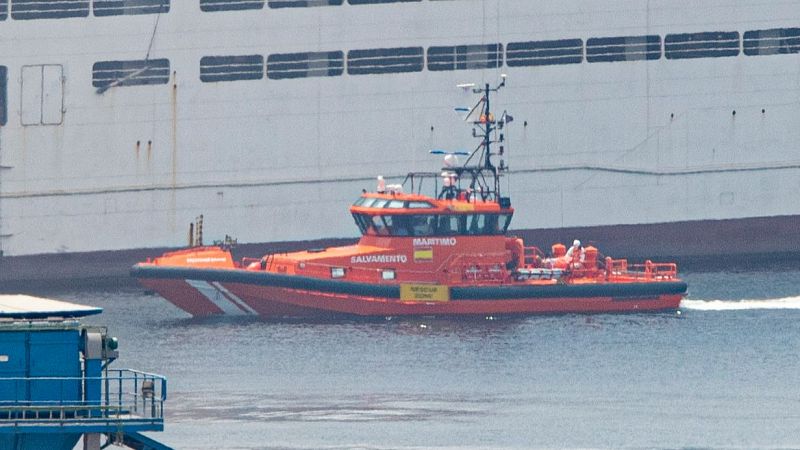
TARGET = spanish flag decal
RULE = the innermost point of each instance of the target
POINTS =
(423, 254)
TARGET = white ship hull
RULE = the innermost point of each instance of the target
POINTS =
(660, 140)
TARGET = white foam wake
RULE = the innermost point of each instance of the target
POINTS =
(735, 305)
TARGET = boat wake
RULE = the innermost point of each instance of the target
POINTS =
(737, 305)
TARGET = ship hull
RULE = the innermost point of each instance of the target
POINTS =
(208, 292)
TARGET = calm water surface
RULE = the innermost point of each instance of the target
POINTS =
(723, 374)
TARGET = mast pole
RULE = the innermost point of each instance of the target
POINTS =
(487, 141)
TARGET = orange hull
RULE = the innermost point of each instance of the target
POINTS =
(214, 292)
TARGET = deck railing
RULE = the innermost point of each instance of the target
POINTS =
(126, 397)
(647, 271)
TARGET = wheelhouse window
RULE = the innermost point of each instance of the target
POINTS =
(371, 202)
(452, 225)
(433, 224)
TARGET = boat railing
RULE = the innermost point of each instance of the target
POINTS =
(647, 271)
(532, 255)
(127, 397)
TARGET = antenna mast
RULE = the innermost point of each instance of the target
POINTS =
(487, 124)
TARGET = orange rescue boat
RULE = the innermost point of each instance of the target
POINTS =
(442, 255)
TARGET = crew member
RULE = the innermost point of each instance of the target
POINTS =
(575, 254)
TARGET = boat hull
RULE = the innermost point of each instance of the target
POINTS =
(205, 292)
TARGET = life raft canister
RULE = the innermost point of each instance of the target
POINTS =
(517, 248)
(558, 250)
(590, 257)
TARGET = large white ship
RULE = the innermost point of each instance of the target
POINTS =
(123, 120)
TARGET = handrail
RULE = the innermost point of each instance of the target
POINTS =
(647, 271)
(125, 395)
(532, 252)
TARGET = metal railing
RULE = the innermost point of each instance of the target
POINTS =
(647, 271)
(125, 397)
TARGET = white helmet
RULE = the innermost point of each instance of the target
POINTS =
(576, 243)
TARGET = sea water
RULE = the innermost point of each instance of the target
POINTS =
(724, 373)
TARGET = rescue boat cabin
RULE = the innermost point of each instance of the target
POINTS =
(411, 238)
(404, 215)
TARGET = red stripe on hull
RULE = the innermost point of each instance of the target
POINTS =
(182, 295)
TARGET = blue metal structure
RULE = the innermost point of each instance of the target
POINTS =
(56, 386)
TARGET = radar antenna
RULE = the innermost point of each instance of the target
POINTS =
(487, 129)
(478, 172)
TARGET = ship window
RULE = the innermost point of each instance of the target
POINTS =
(230, 5)
(505, 221)
(394, 204)
(107, 74)
(368, 202)
(49, 9)
(487, 224)
(397, 225)
(337, 272)
(3, 93)
(385, 60)
(3, 9)
(388, 274)
(629, 48)
(372, 2)
(433, 225)
(129, 7)
(301, 3)
(365, 224)
(379, 203)
(379, 226)
(401, 225)
(779, 41)
(452, 225)
(303, 65)
(359, 201)
(422, 225)
(419, 205)
(713, 44)
(231, 68)
(462, 57)
(479, 224)
(544, 53)
(360, 223)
